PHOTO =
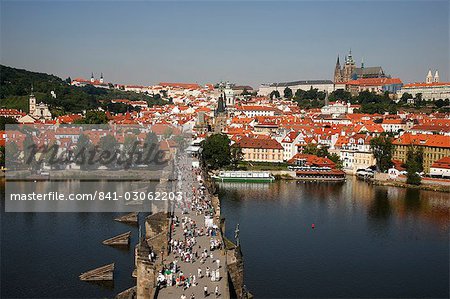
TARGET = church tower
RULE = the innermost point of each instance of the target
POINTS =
(32, 102)
(429, 78)
(337, 72)
(436, 77)
(349, 67)
(92, 77)
(101, 78)
(229, 95)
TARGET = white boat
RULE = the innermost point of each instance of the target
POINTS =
(244, 176)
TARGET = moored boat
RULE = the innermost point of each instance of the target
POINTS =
(244, 176)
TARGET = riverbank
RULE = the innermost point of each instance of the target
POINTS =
(431, 184)
(438, 188)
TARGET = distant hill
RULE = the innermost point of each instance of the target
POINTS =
(15, 88)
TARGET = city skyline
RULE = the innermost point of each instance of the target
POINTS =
(244, 42)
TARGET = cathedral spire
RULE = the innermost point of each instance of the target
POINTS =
(429, 78)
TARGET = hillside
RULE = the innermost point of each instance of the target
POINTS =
(15, 87)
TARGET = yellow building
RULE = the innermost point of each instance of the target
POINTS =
(434, 147)
(261, 149)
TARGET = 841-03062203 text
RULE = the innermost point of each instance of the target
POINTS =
(99, 195)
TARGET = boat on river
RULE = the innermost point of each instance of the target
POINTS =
(244, 176)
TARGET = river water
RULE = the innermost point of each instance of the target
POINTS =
(368, 242)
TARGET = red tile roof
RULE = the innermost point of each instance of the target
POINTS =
(442, 163)
(266, 143)
(423, 140)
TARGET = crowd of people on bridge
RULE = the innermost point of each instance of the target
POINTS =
(184, 247)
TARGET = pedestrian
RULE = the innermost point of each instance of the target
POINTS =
(216, 291)
(207, 271)
(217, 275)
(205, 291)
(199, 272)
(218, 263)
(183, 296)
(192, 296)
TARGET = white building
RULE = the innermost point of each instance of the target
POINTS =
(432, 89)
(355, 152)
(289, 143)
(337, 108)
(441, 168)
(320, 85)
(252, 111)
(38, 111)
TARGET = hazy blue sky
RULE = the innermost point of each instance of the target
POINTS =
(247, 42)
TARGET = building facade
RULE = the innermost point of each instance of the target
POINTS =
(431, 90)
(261, 150)
(320, 85)
(434, 147)
(349, 71)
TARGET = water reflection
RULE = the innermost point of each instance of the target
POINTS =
(366, 238)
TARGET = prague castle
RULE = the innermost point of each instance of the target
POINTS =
(349, 71)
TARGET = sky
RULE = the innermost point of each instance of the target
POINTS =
(246, 42)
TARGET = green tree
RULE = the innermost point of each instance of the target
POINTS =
(287, 93)
(406, 96)
(216, 151)
(93, 117)
(274, 94)
(340, 95)
(2, 156)
(414, 165)
(129, 144)
(337, 160)
(81, 152)
(310, 149)
(6, 121)
(382, 151)
(109, 146)
(150, 139)
(236, 156)
(11, 154)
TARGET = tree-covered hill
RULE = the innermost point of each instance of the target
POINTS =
(15, 87)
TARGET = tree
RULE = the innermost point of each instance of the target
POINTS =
(310, 149)
(441, 103)
(216, 151)
(382, 151)
(2, 156)
(129, 145)
(337, 160)
(287, 93)
(93, 117)
(419, 101)
(150, 139)
(81, 154)
(414, 165)
(6, 121)
(11, 154)
(236, 155)
(108, 145)
(406, 96)
(340, 95)
(274, 94)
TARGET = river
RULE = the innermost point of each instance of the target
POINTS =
(368, 241)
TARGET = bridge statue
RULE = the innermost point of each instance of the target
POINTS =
(236, 234)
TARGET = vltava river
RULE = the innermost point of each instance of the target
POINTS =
(368, 241)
